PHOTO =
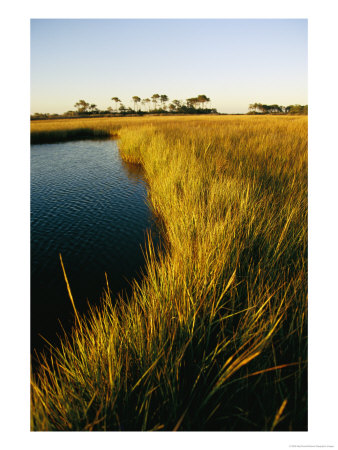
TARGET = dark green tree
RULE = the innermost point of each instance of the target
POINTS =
(202, 100)
(116, 100)
(154, 98)
(136, 100)
(93, 108)
(191, 102)
(164, 99)
(253, 107)
(177, 104)
(82, 106)
(147, 101)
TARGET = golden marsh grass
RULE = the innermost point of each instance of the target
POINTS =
(215, 335)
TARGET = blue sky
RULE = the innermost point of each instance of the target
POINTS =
(233, 61)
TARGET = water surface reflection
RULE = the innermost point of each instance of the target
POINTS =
(90, 206)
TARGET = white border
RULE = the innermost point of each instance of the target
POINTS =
(323, 77)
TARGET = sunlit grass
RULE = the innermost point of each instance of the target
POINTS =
(214, 336)
(47, 131)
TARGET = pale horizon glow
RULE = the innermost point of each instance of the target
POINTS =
(234, 62)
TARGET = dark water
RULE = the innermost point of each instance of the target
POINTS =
(90, 206)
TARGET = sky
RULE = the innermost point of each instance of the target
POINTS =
(234, 62)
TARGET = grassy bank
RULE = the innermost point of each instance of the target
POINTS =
(48, 131)
(214, 337)
(43, 131)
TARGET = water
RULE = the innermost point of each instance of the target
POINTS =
(91, 207)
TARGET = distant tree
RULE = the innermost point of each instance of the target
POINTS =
(253, 107)
(297, 109)
(136, 100)
(154, 98)
(110, 109)
(70, 113)
(147, 101)
(122, 108)
(277, 109)
(264, 109)
(164, 99)
(116, 100)
(93, 108)
(82, 106)
(261, 108)
(202, 99)
(177, 103)
(192, 102)
(40, 116)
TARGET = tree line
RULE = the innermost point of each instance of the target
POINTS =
(160, 104)
(259, 108)
(156, 104)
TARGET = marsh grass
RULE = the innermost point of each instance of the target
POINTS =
(214, 336)
(58, 130)
(43, 131)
